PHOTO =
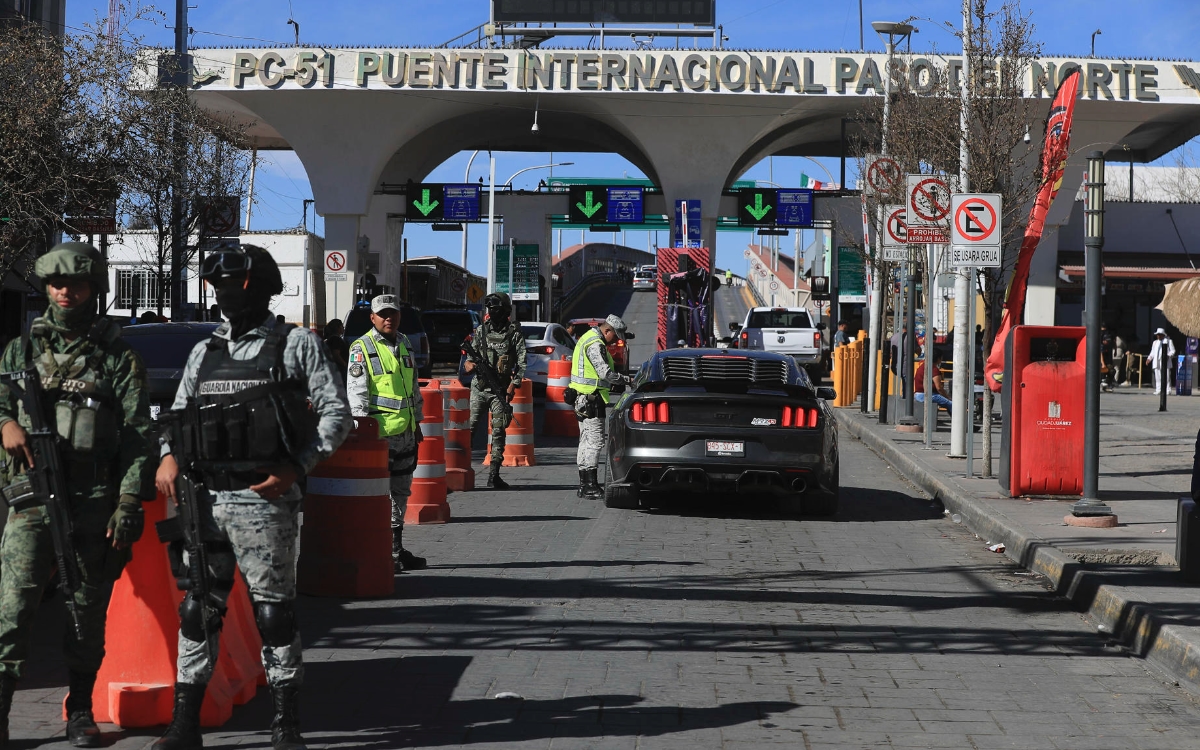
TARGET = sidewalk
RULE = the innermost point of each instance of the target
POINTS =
(1124, 578)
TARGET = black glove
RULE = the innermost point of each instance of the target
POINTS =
(418, 433)
(128, 521)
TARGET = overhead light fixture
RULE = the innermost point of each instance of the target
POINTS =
(536, 106)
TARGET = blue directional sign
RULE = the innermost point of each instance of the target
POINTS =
(624, 205)
(693, 217)
(461, 202)
(793, 208)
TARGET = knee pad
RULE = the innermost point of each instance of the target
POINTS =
(276, 623)
(191, 619)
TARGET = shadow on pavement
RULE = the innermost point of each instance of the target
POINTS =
(857, 505)
(506, 519)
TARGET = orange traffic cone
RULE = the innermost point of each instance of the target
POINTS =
(346, 541)
(518, 442)
(457, 406)
(559, 417)
(136, 683)
(427, 503)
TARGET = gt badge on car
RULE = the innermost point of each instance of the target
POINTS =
(763, 422)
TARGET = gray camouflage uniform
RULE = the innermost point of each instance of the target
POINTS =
(262, 533)
(591, 429)
(402, 448)
(505, 352)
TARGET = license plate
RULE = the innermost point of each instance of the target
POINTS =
(724, 448)
(443, 339)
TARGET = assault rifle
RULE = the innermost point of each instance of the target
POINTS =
(45, 483)
(188, 524)
(491, 379)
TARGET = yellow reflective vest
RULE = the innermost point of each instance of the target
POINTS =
(584, 378)
(390, 382)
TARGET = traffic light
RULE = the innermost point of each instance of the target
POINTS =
(757, 207)
(425, 202)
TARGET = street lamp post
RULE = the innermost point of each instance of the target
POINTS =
(893, 31)
(467, 178)
(491, 279)
(1093, 243)
(962, 387)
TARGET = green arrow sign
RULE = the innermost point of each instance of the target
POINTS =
(758, 210)
(588, 206)
(425, 206)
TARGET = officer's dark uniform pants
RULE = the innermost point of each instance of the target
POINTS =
(26, 563)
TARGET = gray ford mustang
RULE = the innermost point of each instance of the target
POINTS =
(724, 422)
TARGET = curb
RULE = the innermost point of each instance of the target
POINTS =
(1116, 609)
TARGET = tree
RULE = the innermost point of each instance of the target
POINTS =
(924, 133)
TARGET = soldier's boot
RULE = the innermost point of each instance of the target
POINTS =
(184, 731)
(594, 489)
(8, 685)
(494, 481)
(285, 727)
(402, 559)
(584, 487)
(81, 724)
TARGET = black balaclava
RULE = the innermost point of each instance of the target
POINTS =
(246, 306)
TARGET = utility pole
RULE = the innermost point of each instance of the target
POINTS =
(182, 81)
(962, 390)
(1093, 244)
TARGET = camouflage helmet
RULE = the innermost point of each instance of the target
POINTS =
(251, 262)
(73, 260)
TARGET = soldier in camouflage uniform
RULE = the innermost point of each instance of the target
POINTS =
(500, 341)
(82, 362)
(257, 365)
(593, 376)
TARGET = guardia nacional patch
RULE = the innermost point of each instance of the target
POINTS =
(356, 370)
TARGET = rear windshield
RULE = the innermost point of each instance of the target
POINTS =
(447, 324)
(165, 350)
(533, 333)
(780, 319)
(644, 275)
(358, 322)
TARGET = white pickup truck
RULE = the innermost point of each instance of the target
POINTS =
(784, 330)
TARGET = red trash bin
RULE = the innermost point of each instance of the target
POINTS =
(1049, 387)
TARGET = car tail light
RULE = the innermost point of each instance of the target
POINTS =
(650, 412)
(745, 336)
(816, 337)
(798, 416)
(540, 349)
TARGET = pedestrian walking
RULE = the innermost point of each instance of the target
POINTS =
(593, 374)
(382, 384)
(282, 409)
(1119, 351)
(502, 347)
(1161, 378)
(93, 389)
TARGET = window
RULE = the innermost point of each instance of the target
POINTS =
(138, 289)
(779, 319)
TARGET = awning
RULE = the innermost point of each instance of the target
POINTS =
(1138, 272)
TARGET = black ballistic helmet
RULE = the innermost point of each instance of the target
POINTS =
(498, 301)
(250, 262)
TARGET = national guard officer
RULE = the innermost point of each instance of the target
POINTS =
(95, 394)
(382, 383)
(499, 341)
(593, 373)
(267, 395)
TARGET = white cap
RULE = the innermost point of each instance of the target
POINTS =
(1160, 331)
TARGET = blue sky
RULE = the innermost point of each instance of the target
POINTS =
(1158, 28)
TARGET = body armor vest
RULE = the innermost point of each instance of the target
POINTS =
(247, 412)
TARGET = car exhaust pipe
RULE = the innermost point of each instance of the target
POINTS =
(645, 479)
(799, 485)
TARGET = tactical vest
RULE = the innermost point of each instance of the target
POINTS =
(81, 401)
(247, 412)
(390, 384)
(584, 378)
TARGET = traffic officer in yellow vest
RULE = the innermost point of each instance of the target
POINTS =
(593, 373)
(381, 383)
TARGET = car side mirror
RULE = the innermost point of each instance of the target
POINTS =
(822, 327)
(630, 335)
(827, 393)
(735, 327)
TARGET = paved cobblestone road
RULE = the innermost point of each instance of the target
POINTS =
(717, 626)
